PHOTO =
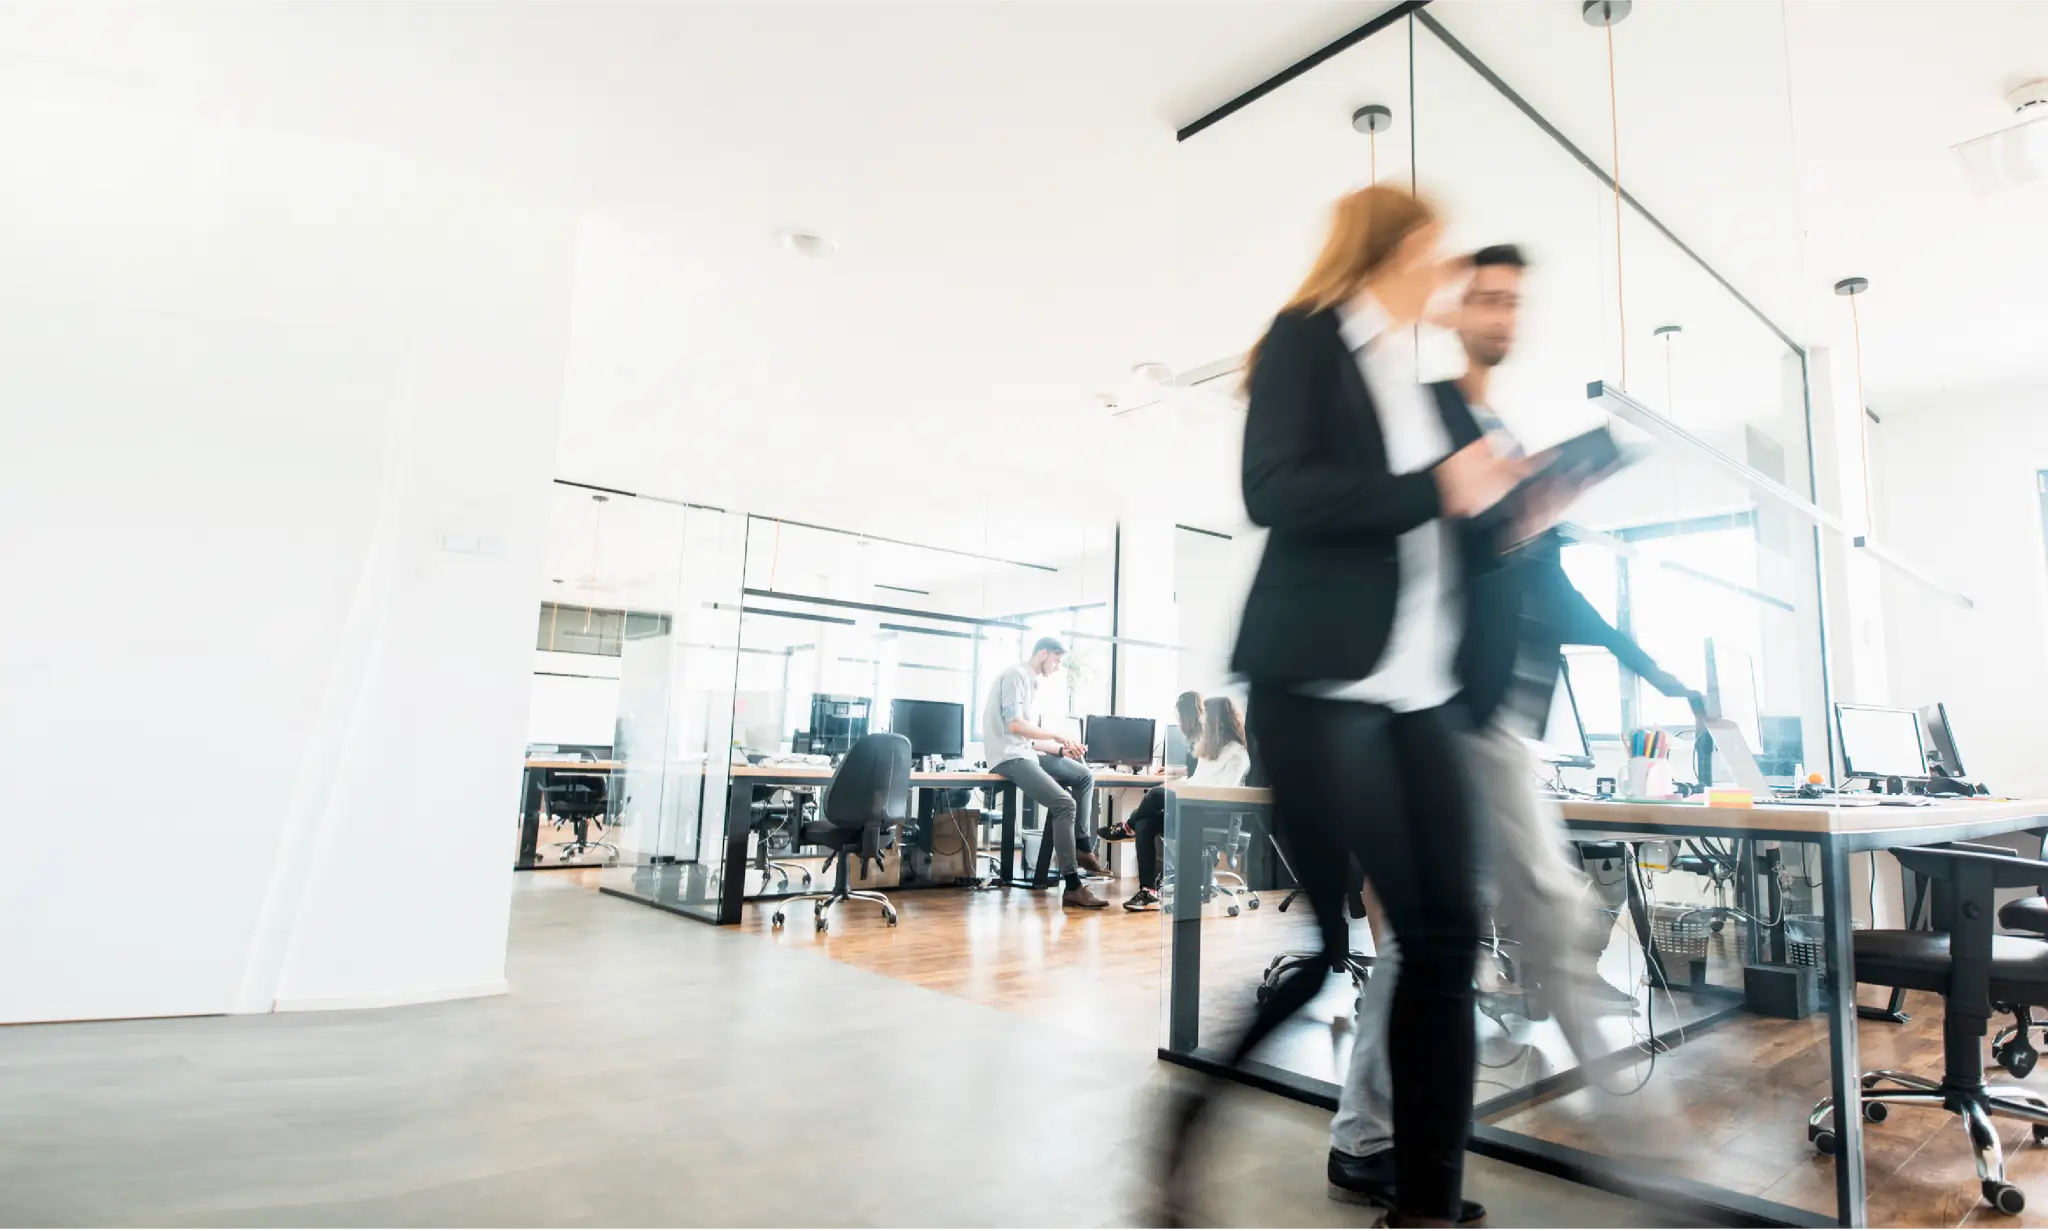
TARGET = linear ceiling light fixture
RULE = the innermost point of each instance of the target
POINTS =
(1619, 404)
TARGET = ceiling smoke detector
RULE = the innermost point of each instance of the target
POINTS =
(806, 243)
(2011, 157)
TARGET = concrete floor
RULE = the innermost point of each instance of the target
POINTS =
(647, 1070)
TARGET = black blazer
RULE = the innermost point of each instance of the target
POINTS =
(1321, 606)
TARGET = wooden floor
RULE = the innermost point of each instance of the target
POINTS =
(1747, 1085)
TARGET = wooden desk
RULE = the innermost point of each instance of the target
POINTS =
(740, 801)
(1835, 831)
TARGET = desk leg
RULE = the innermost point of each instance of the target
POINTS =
(529, 821)
(732, 872)
(1894, 1009)
(1842, 1063)
(1184, 986)
(1639, 911)
(1006, 796)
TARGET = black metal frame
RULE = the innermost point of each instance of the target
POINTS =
(1183, 1043)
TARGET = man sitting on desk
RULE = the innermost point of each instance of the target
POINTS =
(1045, 765)
(1517, 617)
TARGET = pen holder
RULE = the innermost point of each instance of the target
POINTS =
(1648, 778)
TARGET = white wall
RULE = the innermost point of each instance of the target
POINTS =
(1957, 497)
(279, 414)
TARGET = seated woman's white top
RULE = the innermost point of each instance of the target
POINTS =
(1227, 769)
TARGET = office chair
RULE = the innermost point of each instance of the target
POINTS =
(2012, 1048)
(578, 801)
(1357, 965)
(869, 797)
(1971, 968)
(770, 819)
(1230, 845)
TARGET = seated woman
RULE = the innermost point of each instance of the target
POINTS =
(1221, 759)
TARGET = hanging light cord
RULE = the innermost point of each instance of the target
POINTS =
(1862, 417)
(1614, 119)
(596, 562)
(1373, 139)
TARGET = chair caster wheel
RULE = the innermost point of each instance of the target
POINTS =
(2017, 1058)
(2041, 1134)
(1232, 912)
(890, 917)
(1875, 1112)
(2004, 1197)
(1716, 926)
(1824, 1141)
(822, 924)
(1265, 992)
(777, 920)
(1251, 903)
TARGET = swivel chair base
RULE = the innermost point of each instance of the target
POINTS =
(1357, 965)
(779, 873)
(1233, 893)
(826, 901)
(570, 850)
(2012, 1048)
(1885, 1088)
(841, 891)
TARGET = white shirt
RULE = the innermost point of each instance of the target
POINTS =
(1228, 769)
(1013, 695)
(1418, 668)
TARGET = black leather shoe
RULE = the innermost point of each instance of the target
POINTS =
(1369, 1180)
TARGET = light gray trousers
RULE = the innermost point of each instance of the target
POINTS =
(1541, 900)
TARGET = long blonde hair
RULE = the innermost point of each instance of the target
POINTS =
(1365, 228)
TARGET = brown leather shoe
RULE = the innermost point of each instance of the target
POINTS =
(1087, 862)
(1082, 899)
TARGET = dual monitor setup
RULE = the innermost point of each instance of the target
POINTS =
(939, 729)
(1894, 747)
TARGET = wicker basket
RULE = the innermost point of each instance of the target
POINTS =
(1681, 931)
(1804, 935)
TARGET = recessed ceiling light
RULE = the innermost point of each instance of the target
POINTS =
(804, 243)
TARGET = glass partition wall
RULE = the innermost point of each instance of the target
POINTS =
(1718, 583)
(788, 643)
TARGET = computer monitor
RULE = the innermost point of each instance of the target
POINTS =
(1731, 690)
(1178, 751)
(1114, 740)
(1563, 739)
(837, 723)
(934, 728)
(1784, 745)
(1880, 742)
(1941, 740)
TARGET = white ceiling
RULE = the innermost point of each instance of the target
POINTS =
(1017, 226)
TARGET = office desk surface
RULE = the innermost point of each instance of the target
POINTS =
(1869, 820)
(594, 767)
(940, 778)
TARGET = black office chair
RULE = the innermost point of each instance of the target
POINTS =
(1972, 969)
(578, 801)
(2012, 1048)
(868, 798)
(1357, 965)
